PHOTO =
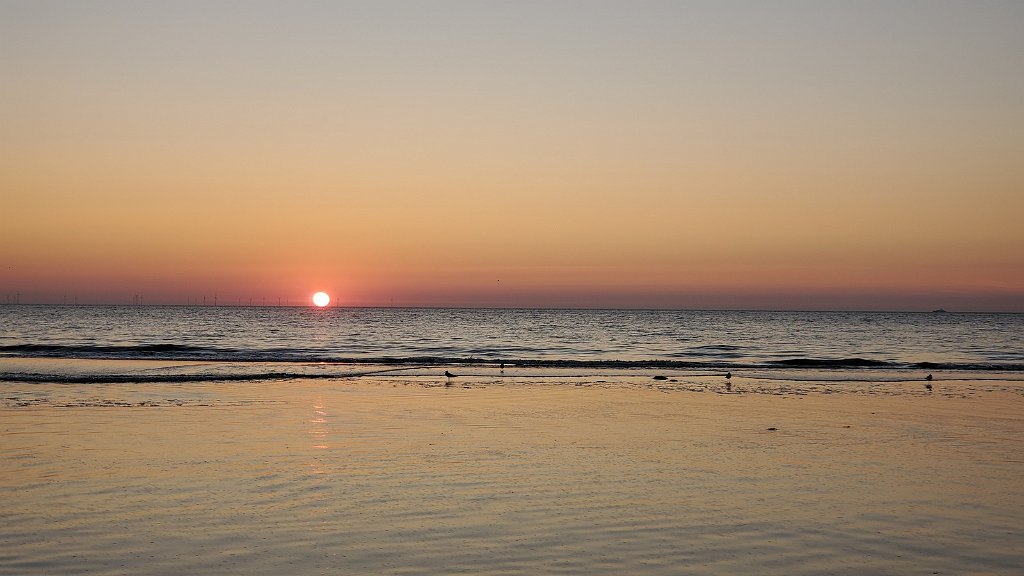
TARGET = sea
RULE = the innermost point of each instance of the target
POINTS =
(207, 343)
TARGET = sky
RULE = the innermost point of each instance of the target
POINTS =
(726, 154)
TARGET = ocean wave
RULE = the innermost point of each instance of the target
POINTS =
(126, 352)
(480, 356)
(149, 378)
(171, 378)
(832, 363)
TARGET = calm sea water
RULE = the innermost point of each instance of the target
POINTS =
(728, 340)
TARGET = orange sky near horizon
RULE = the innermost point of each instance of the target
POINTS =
(681, 155)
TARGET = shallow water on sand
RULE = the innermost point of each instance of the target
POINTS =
(409, 476)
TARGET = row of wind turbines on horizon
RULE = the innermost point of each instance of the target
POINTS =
(17, 298)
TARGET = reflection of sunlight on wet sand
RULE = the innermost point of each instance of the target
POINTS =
(318, 432)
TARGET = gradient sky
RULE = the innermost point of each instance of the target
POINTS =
(808, 155)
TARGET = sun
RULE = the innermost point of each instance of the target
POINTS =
(321, 299)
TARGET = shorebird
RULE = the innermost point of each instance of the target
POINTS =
(928, 377)
(449, 374)
(728, 375)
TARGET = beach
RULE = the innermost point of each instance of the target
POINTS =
(596, 474)
(511, 288)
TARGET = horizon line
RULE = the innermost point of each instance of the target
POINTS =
(470, 307)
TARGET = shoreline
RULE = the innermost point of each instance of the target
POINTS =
(149, 370)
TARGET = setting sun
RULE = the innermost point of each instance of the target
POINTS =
(321, 299)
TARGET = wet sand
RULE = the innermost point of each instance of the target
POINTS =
(403, 475)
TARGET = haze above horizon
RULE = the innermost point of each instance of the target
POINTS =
(740, 155)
